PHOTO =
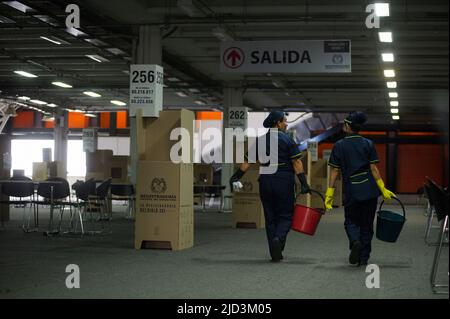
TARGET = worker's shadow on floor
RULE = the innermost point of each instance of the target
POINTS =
(255, 261)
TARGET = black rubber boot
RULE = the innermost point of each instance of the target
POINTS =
(354, 254)
(276, 249)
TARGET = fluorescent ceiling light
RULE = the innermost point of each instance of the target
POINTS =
(382, 9)
(394, 103)
(182, 94)
(91, 94)
(389, 73)
(50, 40)
(52, 105)
(62, 84)
(194, 90)
(96, 42)
(23, 98)
(26, 74)
(395, 117)
(120, 103)
(199, 102)
(385, 36)
(90, 115)
(97, 58)
(394, 111)
(75, 32)
(116, 51)
(19, 6)
(277, 84)
(393, 95)
(39, 102)
(173, 79)
(391, 85)
(387, 57)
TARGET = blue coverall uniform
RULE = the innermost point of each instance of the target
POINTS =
(277, 191)
(353, 156)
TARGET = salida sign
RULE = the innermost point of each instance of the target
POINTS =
(332, 56)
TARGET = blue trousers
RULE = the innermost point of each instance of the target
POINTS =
(277, 194)
(359, 217)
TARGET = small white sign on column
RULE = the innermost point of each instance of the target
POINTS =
(90, 138)
(313, 148)
(146, 89)
(238, 117)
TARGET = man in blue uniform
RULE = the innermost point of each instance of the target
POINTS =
(277, 190)
(355, 157)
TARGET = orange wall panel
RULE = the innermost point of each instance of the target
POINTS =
(415, 161)
(49, 124)
(104, 119)
(324, 146)
(24, 119)
(211, 116)
(78, 120)
(381, 152)
(121, 121)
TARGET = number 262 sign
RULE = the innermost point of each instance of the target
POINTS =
(146, 89)
(237, 117)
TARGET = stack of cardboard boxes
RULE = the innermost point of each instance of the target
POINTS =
(164, 192)
(48, 168)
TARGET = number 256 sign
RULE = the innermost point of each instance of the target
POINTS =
(146, 89)
(237, 117)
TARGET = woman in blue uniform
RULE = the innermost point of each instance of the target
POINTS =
(355, 158)
(277, 190)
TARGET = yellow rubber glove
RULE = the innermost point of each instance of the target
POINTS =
(387, 194)
(329, 198)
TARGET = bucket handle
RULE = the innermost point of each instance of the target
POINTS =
(318, 193)
(401, 204)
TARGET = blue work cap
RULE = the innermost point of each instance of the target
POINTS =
(356, 119)
(273, 118)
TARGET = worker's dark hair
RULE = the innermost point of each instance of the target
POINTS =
(356, 120)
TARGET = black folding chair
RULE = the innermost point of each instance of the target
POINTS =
(431, 196)
(124, 192)
(56, 194)
(441, 208)
(21, 189)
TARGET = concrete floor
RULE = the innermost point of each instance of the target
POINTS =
(224, 263)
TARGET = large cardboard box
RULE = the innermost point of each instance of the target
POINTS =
(248, 211)
(119, 169)
(99, 161)
(164, 208)
(203, 174)
(153, 134)
(57, 169)
(40, 171)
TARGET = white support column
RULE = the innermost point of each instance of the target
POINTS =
(232, 97)
(148, 51)
(60, 135)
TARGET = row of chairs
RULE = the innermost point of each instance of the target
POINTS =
(438, 207)
(55, 192)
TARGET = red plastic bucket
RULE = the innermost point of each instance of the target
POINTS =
(305, 219)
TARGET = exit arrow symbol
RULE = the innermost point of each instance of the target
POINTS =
(234, 55)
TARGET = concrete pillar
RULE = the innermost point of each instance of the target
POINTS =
(60, 135)
(147, 51)
(232, 97)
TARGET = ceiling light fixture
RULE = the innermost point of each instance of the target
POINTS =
(92, 94)
(62, 84)
(387, 57)
(97, 58)
(385, 36)
(393, 95)
(116, 102)
(50, 40)
(391, 85)
(182, 94)
(382, 9)
(26, 74)
(394, 111)
(395, 117)
(52, 105)
(389, 73)
(39, 102)
(394, 103)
